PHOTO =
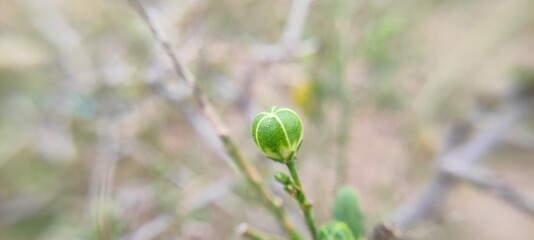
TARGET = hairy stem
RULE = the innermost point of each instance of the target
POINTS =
(305, 206)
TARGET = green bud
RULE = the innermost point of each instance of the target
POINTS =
(282, 178)
(335, 231)
(347, 209)
(278, 133)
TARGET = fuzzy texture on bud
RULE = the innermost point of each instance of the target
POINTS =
(278, 133)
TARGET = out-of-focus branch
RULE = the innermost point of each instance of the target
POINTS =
(461, 163)
(198, 120)
(431, 196)
(487, 181)
(290, 46)
(153, 228)
(20, 208)
(205, 107)
(73, 57)
(180, 69)
(253, 234)
(142, 152)
(295, 21)
(79, 77)
(519, 141)
(103, 175)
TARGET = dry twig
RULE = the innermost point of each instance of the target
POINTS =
(253, 234)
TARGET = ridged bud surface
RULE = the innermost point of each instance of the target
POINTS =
(278, 133)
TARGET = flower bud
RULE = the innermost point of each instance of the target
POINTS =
(278, 133)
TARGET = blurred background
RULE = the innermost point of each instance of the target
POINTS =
(100, 140)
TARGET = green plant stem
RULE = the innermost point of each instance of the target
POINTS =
(305, 206)
(206, 109)
(254, 179)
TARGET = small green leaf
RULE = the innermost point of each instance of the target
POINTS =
(335, 230)
(282, 178)
(347, 210)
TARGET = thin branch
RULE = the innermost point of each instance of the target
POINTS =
(522, 141)
(300, 196)
(472, 151)
(485, 180)
(290, 46)
(432, 196)
(79, 77)
(153, 228)
(103, 175)
(295, 22)
(458, 162)
(247, 232)
(251, 173)
(181, 70)
(436, 190)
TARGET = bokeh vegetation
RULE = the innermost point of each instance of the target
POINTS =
(89, 148)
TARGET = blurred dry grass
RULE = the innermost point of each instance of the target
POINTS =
(89, 151)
